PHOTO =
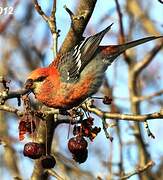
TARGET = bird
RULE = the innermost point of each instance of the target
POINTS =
(78, 74)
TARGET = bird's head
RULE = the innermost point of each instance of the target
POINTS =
(36, 79)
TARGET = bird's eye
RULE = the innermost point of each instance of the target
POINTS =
(41, 78)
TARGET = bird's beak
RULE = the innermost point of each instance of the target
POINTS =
(28, 85)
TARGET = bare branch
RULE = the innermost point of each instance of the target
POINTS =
(142, 98)
(121, 29)
(54, 174)
(51, 20)
(69, 12)
(118, 116)
(135, 8)
(84, 10)
(138, 170)
(148, 58)
(53, 28)
(39, 10)
(11, 110)
(5, 95)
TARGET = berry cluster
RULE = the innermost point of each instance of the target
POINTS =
(35, 150)
(77, 145)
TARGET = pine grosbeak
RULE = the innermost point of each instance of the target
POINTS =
(78, 74)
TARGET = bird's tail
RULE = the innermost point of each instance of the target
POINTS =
(113, 51)
(125, 46)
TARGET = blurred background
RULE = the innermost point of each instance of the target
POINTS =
(26, 43)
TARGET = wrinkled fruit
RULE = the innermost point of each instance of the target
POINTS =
(107, 100)
(81, 157)
(77, 144)
(33, 150)
(48, 161)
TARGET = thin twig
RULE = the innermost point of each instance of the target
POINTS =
(138, 170)
(78, 24)
(51, 21)
(53, 28)
(69, 11)
(121, 29)
(39, 10)
(54, 174)
(127, 117)
(147, 59)
(105, 130)
(142, 98)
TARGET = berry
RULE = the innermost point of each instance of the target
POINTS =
(88, 122)
(77, 144)
(48, 161)
(107, 100)
(94, 132)
(33, 150)
(81, 157)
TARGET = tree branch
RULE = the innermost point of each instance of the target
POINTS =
(79, 21)
(138, 170)
(11, 110)
(54, 174)
(142, 98)
(97, 111)
(127, 117)
(39, 10)
(121, 29)
(147, 59)
(51, 21)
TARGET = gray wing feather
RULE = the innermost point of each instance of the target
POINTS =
(73, 62)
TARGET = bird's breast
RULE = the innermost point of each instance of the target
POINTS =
(65, 95)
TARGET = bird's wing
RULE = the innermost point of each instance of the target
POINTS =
(73, 62)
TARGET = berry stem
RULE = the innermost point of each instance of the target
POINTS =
(46, 141)
(108, 136)
(95, 97)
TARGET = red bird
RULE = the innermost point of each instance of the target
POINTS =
(78, 74)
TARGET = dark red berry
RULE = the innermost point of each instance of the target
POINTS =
(81, 157)
(88, 122)
(107, 100)
(48, 161)
(33, 150)
(94, 132)
(77, 144)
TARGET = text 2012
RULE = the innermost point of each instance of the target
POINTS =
(6, 10)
